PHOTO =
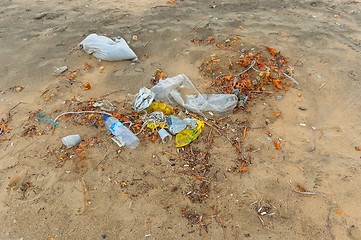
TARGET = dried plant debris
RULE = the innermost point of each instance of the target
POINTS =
(245, 72)
(195, 219)
(199, 191)
(264, 207)
(158, 75)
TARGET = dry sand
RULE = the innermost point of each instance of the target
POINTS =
(138, 194)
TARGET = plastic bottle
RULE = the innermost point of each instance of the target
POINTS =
(121, 131)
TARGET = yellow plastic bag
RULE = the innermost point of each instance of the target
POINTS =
(157, 106)
(187, 136)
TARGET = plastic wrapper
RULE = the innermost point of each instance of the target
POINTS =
(161, 107)
(181, 90)
(187, 136)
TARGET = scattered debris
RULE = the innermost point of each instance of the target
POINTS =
(264, 207)
(195, 219)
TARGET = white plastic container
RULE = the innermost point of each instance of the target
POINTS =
(71, 140)
(121, 132)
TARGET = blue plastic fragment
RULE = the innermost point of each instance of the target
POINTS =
(40, 119)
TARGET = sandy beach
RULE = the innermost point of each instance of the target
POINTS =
(308, 187)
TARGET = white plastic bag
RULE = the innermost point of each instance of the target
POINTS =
(144, 99)
(106, 49)
(181, 90)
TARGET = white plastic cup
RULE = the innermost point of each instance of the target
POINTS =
(71, 140)
(164, 135)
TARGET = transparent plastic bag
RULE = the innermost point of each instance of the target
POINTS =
(181, 90)
(106, 49)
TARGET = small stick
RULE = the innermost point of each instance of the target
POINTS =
(9, 116)
(105, 157)
(323, 84)
(145, 44)
(119, 90)
(262, 92)
(295, 190)
(170, 154)
(86, 194)
(161, 6)
(213, 127)
(230, 62)
(244, 133)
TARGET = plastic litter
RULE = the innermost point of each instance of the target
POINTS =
(176, 125)
(71, 140)
(144, 99)
(122, 133)
(164, 135)
(160, 106)
(40, 119)
(106, 49)
(155, 120)
(119, 141)
(181, 90)
(104, 105)
(187, 136)
(60, 70)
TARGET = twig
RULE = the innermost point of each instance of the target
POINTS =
(9, 117)
(323, 84)
(115, 91)
(291, 78)
(269, 92)
(262, 222)
(213, 127)
(244, 133)
(105, 157)
(170, 154)
(161, 6)
(295, 190)
(86, 194)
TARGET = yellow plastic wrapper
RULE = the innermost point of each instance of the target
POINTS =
(153, 126)
(157, 106)
(187, 136)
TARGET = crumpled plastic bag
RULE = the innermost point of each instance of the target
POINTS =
(180, 89)
(144, 99)
(106, 49)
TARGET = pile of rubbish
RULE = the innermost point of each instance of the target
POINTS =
(155, 109)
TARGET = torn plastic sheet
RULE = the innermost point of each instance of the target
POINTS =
(176, 125)
(181, 90)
